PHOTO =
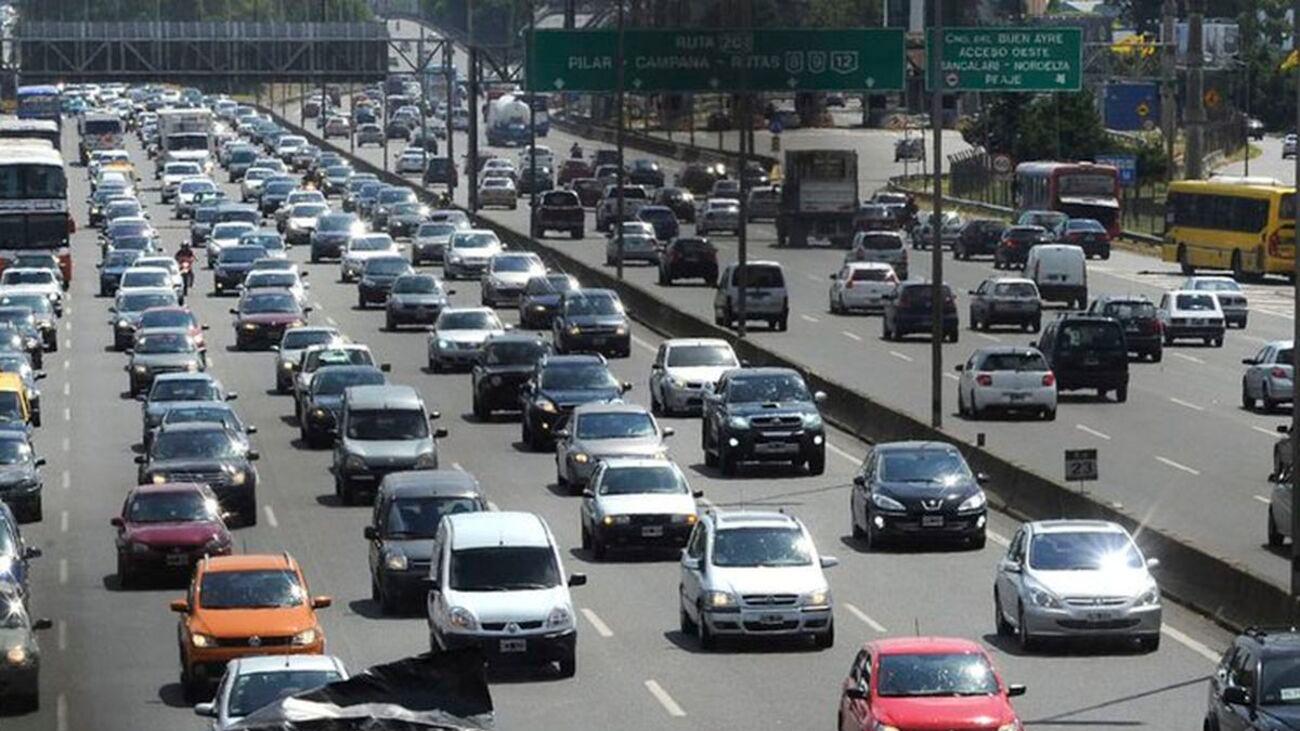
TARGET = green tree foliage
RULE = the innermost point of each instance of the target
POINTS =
(1046, 127)
(192, 10)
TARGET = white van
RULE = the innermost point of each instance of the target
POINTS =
(1061, 273)
(497, 582)
(766, 297)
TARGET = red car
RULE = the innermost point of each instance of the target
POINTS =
(262, 316)
(571, 170)
(926, 683)
(168, 527)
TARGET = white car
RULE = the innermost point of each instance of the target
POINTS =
(498, 167)
(1187, 314)
(282, 280)
(44, 282)
(498, 191)
(636, 502)
(164, 262)
(362, 248)
(187, 191)
(1006, 378)
(174, 173)
(301, 195)
(459, 333)
(1232, 298)
(301, 222)
(226, 233)
(497, 581)
(138, 277)
(506, 276)
(252, 683)
(412, 161)
(684, 369)
(251, 186)
(468, 253)
(635, 247)
(1269, 376)
(288, 146)
(862, 286)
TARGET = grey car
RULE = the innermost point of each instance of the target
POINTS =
(1269, 376)
(415, 299)
(1006, 301)
(169, 389)
(323, 400)
(129, 306)
(597, 431)
(381, 429)
(1076, 578)
(158, 351)
(207, 453)
(20, 674)
(459, 333)
(636, 502)
(21, 486)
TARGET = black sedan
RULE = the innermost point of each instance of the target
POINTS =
(917, 490)
(205, 453)
(505, 364)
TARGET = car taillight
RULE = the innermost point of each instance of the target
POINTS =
(848, 284)
(984, 379)
(1279, 373)
(72, 225)
(1049, 379)
(1151, 327)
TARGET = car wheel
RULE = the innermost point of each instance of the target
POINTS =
(817, 463)
(726, 460)
(978, 542)
(1275, 537)
(1121, 394)
(126, 579)
(1270, 404)
(598, 549)
(1149, 644)
(1157, 355)
(569, 665)
(1027, 641)
(1218, 342)
(825, 640)
(710, 458)
(1004, 627)
(684, 622)
(707, 639)
(854, 528)
(387, 603)
(656, 408)
(1049, 415)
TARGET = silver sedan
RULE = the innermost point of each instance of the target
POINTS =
(602, 430)
(1269, 376)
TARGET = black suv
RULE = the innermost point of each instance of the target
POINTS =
(686, 258)
(1087, 351)
(763, 415)
(1253, 686)
(978, 237)
(908, 310)
(504, 364)
(1137, 315)
(559, 383)
(560, 210)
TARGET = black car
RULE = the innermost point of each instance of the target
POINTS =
(645, 172)
(1006, 302)
(1087, 351)
(917, 490)
(978, 237)
(397, 130)
(687, 258)
(322, 402)
(1088, 234)
(377, 278)
(762, 415)
(388, 199)
(558, 384)
(589, 190)
(662, 219)
(909, 308)
(405, 218)
(440, 171)
(1014, 245)
(332, 234)
(233, 264)
(207, 453)
(414, 299)
(20, 477)
(541, 299)
(680, 200)
(591, 320)
(1251, 690)
(408, 508)
(1137, 315)
(560, 210)
(111, 268)
(504, 364)
(274, 194)
(698, 177)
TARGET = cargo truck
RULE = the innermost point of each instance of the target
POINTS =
(185, 135)
(819, 198)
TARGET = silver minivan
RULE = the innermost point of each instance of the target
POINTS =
(885, 247)
(381, 429)
(766, 296)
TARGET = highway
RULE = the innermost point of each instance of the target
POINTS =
(110, 663)
(1182, 453)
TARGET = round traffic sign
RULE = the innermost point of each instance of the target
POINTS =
(1002, 163)
(951, 79)
(1212, 98)
(1143, 110)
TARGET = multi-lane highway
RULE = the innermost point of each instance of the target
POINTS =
(111, 660)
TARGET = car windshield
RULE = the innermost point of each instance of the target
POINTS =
(659, 479)
(435, 229)
(11, 407)
(164, 343)
(578, 377)
(550, 285)
(1084, 224)
(1015, 289)
(515, 352)
(768, 389)
(514, 264)
(275, 280)
(15, 451)
(408, 209)
(334, 382)
(1196, 302)
(186, 389)
(241, 255)
(1216, 285)
(417, 284)
(194, 444)
(142, 279)
(1014, 362)
(121, 258)
(618, 425)
(231, 229)
(592, 304)
(371, 243)
(761, 546)
(418, 517)
(300, 338)
(266, 241)
(172, 506)
(252, 691)
(268, 303)
(266, 588)
(761, 277)
(935, 674)
(143, 301)
(477, 320)
(309, 210)
(387, 266)
(504, 568)
(335, 223)
(19, 317)
(387, 424)
(338, 356)
(942, 467)
(1091, 336)
(473, 241)
(880, 242)
(1083, 551)
(695, 356)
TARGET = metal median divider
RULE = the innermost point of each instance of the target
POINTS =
(1226, 592)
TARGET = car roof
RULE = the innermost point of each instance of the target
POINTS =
(609, 408)
(725, 520)
(560, 361)
(924, 646)
(1006, 350)
(504, 528)
(762, 371)
(248, 562)
(914, 444)
(687, 342)
(1075, 526)
(617, 462)
(387, 396)
(441, 483)
(184, 377)
(275, 663)
(149, 487)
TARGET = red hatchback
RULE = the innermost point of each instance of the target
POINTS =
(168, 527)
(926, 684)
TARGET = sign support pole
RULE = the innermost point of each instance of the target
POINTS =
(618, 63)
(936, 226)
(532, 133)
(1295, 406)
(448, 65)
(472, 167)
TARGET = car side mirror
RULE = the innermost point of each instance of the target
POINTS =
(1015, 689)
(689, 563)
(321, 602)
(43, 623)
(981, 478)
(860, 481)
(254, 455)
(669, 431)
(371, 533)
(386, 367)
(833, 277)
(435, 415)
(561, 433)
(959, 367)
(829, 562)
(141, 397)
(627, 386)
(233, 395)
(140, 459)
(819, 396)
(1153, 563)
(1283, 429)
(40, 462)
(116, 521)
(1012, 566)
(304, 275)
(1249, 361)
(589, 494)
(250, 429)
(275, 348)
(577, 579)
(32, 552)
(205, 327)
(206, 710)
(234, 311)
(856, 692)
(440, 433)
(180, 606)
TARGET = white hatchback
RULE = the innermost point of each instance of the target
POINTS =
(861, 285)
(1006, 378)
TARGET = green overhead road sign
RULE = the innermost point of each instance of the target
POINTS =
(1008, 59)
(858, 59)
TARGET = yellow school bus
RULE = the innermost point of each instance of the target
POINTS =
(1244, 225)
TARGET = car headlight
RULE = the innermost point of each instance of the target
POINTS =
(192, 365)
(443, 344)
(974, 502)
(687, 518)
(547, 405)
(719, 600)
(286, 365)
(1013, 726)
(812, 421)
(249, 326)
(319, 414)
(426, 461)
(884, 502)
(199, 639)
(158, 479)
(306, 637)
(462, 619)
(353, 462)
(139, 548)
(620, 330)
(1149, 598)
(738, 422)
(17, 655)
(581, 458)
(141, 369)
(215, 545)
(820, 598)
(616, 519)
(123, 324)
(396, 562)
(558, 618)
(1043, 598)
(238, 477)
(53, 296)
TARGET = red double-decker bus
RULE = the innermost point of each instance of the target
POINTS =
(1077, 189)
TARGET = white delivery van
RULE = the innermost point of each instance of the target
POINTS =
(1061, 273)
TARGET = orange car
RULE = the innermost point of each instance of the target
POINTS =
(245, 605)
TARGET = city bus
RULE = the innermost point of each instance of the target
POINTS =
(12, 128)
(1245, 225)
(1077, 189)
(44, 101)
(34, 215)
(99, 131)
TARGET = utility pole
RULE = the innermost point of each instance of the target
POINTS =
(449, 67)
(1169, 77)
(745, 131)
(618, 63)
(320, 69)
(472, 103)
(532, 127)
(936, 225)
(1195, 117)
(1295, 405)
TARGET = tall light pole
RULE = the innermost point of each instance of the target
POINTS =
(618, 64)
(1295, 405)
(936, 224)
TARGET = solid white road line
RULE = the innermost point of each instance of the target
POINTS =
(1188, 358)
(643, 344)
(1189, 405)
(602, 629)
(842, 452)
(1198, 647)
(1176, 465)
(664, 699)
(270, 516)
(809, 318)
(63, 571)
(901, 356)
(951, 376)
(1262, 499)
(1266, 432)
(867, 620)
(997, 538)
(851, 336)
(1094, 432)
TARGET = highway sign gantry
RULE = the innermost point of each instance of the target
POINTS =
(686, 60)
(1029, 59)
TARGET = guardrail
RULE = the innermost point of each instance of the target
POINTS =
(587, 129)
(1224, 591)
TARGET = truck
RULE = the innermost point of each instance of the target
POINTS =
(819, 198)
(184, 135)
(506, 119)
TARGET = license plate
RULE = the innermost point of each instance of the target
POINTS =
(598, 341)
(1099, 616)
(1132, 329)
(1091, 361)
(1017, 396)
(775, 448)
(931, 521)
(178, 559)
(757, 294)
(652, 531)
(772, 618)
(514, 645)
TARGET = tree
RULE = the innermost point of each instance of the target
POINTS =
(1045, 127)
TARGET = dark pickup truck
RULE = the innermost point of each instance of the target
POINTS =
(560, 210)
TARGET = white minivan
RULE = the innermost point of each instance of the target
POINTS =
(497, 582)
(1061, 273)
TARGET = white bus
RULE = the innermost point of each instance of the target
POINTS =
(34, 215)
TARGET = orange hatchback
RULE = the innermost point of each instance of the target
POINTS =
(245, 605)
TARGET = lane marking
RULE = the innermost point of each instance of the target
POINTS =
(67, 343)
(1195, 646)
(664, 699)
(1187, 404)
(1177, 466)
(67, 364)
(63, 571)
(67, 414)
(270, 516)
(67, 389)
(68, 326)
(67, 444)
(66, 479)
(643, 344)
(986, 336)
(997, 538)
(841, 452)
(813, 277)
(809, 318)
(901, 356)
(63, 635)
(952, 376)
(1266, 432)
(1090, 430)
(61, 713)
(851, 336)
(456, 465)
(602, 629)
(493, 507)
(1186, 357)
(63, 521)
(873, 624)
(330, 320)
(1262, 499)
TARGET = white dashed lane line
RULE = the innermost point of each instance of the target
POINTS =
(851, 336)
(597, 623)
(1093, 432)
(1186, 357)
(1186, 404)
(867, 620)
(1195, 646)
(67, 389)
(1170, 463)
(840, 452)
(809, 318)
(63, 521)
(63, 571)
(664, 699)
(1262, 499)
(270, 516)
(66, 479)
(901, 356)
(642, 344)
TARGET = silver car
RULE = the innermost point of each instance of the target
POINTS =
(506, 276)
(599, 431)
(291, 347)
(636, 247)
(1076, 578)
(468, 253)
(718, 214)
(683, 368)
(251, 683)
(1269, 376)
(498, 192)
(431, 238)
(1232, 298)
(459, 333)
(637, 503)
